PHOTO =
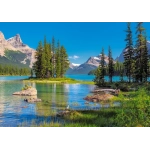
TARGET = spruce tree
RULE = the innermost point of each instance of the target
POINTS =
(129, 52)
(145, 60)
(53, 57)
(64, 61)
(133, 70)
(102, 63)
(31, 73)
(110, 65)
(141, 54)
(98, 77)
(58, 61)
(121, 75)
(37, 65)
(47, 51)
(100, 72)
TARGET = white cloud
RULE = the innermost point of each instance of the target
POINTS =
(74, 57)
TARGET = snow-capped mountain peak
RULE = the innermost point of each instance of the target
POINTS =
(75, 64)
(96, 58)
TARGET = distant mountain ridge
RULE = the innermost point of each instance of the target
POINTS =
(120, 58)
(14, 51)
(91, 64)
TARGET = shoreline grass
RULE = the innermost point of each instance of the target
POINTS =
(133, 111)
(58, 80)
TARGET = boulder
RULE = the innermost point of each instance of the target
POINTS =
(99, 97)
(29, 92)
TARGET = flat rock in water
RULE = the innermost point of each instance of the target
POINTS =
(29, 92)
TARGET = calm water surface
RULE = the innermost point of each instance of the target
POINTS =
(55, 97)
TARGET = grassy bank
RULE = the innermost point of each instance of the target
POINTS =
(57, 80)
(134, 111)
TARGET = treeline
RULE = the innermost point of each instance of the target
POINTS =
(136, 64)
(118, 67)
(52, 61)
(13, 70)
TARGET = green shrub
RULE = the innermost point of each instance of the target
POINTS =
(26, 87)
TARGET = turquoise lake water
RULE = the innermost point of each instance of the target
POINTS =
(55, 97)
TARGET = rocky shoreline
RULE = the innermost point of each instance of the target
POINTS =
(99, 97)
(102, 95)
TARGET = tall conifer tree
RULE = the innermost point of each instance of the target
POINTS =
(129, 52)
(53, 57)
(58, 61)
(141, 54)
(100, 72)
(110, 65)
(37, 65)
(64, 61)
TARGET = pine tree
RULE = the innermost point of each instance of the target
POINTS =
(102, 63)
(100, 72)
(110, 65)
(133, 71)
(121, 75)
(53, 57)
(64, 61)
(129, 52)
(43, 65)
(141, 54)
(145, 60)
(58, 61)
(98, 78)
(37, 65)
(47, 51)
(31, 73)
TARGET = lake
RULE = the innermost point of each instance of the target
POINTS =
(91, 77)
(55, 97)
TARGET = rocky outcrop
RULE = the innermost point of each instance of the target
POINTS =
(29, 92)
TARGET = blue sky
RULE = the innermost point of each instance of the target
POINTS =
(81, 40)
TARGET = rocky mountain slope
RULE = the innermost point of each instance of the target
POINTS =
(14, 51)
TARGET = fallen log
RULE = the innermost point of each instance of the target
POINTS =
(114, 91)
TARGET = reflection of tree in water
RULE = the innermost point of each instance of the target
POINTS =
(53, 99)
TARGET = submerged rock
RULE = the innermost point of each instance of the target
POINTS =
(63, 113)
(29, 92)
(32, 100)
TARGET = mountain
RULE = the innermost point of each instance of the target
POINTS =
(121, 58)
(72, 66)
(91, 64)
(13, 51)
